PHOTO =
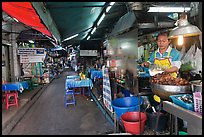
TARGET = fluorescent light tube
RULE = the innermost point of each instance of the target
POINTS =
(112, 3)
(88, 37)
(100, 20)
(109, 7)
(15, 19)
(180, 40)
(168, 9)
(70, 37)
(94, 29)
(31, 41)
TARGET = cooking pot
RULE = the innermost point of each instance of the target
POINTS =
(164, 91)
(196, 86)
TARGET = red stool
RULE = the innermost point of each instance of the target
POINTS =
(11, 99)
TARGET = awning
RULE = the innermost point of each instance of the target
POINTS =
(61, 51)
(25, 13)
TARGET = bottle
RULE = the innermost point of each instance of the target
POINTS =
(3, 81)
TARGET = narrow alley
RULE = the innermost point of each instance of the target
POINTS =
(48, 116)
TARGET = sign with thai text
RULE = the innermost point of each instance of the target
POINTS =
(31, 51)
(88, 53)
(107, 99)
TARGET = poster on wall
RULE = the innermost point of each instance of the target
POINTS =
(24, 59)
(31, 51)
(33, 59)
(107, 99)
(88, 52)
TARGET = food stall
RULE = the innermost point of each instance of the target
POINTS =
(125, 73)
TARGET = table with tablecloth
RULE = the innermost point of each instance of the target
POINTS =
(15, 86)
(96, 74)
(73, 77)
(72, 83)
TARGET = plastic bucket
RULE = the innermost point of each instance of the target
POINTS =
(132, 122)
(152, 120)
(125, 104)
(126, 93)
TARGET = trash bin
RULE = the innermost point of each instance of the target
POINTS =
(152, 118)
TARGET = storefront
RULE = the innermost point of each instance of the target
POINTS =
(113, 51)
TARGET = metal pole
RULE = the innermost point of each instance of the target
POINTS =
(157, 122)
(139, 104)
(135, 83)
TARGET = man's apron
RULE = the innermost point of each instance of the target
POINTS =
(164, 63)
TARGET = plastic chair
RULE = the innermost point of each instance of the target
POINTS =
(68, 101)
(9, 101)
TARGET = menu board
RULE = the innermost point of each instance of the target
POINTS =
(107, 99)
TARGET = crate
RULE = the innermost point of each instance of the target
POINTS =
(181, 103)
(197, 98)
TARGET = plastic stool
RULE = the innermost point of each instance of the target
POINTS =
(13, 102)
(66, 100)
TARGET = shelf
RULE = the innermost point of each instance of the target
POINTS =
(193, 119)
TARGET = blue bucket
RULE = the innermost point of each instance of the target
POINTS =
(125, 104)
(126, 93)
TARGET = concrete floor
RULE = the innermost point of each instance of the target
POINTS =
(48, 116)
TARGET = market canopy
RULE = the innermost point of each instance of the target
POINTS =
(78, 19)
(25, 13)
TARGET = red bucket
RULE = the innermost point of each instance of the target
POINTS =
(131, 122)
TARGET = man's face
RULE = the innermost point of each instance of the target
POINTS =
(163, 42)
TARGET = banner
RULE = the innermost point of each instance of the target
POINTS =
(88, 53)
(31, 51)
(30, 55)
(107, 99)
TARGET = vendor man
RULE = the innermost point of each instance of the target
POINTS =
(165, 56)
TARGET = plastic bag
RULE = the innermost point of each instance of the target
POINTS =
(198, 61)
(189, 55)
(188, 60)
(183, 52)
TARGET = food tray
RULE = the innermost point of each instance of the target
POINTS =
(189, 106)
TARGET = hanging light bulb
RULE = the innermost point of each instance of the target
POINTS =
(180, 40)
(184, 28)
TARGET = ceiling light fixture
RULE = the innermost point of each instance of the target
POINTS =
(100, 20)
(103, 15)
(31, 41)
(169, 9)
(109, 7)
(88, 37)
(15, 19)
(93, 30)
(184, 28)
(71, 37)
